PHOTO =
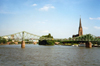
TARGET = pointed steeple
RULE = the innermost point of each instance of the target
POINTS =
(80, 26)
(80, 32)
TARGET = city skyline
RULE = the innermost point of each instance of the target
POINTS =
(58, 17)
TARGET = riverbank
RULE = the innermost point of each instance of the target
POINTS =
(8, 44)
(4, 44)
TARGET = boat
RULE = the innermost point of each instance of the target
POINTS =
(95, 45)
(75, 45)
(81, 45)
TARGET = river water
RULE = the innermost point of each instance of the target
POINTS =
(35, 55)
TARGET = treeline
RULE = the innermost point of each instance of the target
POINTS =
(3, 40)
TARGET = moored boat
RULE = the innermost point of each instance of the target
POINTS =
(81, 45)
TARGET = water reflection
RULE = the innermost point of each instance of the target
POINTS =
(35, 55)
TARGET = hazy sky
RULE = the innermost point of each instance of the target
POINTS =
(58, 17)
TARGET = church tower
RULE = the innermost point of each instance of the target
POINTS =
(80, 32)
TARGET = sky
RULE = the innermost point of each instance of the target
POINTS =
(58, 17)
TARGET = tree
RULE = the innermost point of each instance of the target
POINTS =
(27, 40)
(46, 42)
(3, 40)
(9, 40)
(0, 39)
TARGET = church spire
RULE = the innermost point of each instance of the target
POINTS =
(80, 32)
(80, 26)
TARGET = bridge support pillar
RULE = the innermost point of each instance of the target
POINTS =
(89, 44)
(23, 44)
(64, 43)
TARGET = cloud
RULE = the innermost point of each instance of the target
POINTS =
(46, 7)
(96, 27)
(52, 7)
(34, 5)
(46, 31)
(94, 18)
(85, 28)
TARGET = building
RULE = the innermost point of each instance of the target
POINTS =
(80, 31)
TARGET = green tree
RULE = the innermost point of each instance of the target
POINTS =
(3, 40)
(9, 40)
(0, 40)
(27, 40)
(46, 42)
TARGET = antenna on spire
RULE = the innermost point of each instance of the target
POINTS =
(80, 16)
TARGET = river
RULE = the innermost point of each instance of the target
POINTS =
(36, 55)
